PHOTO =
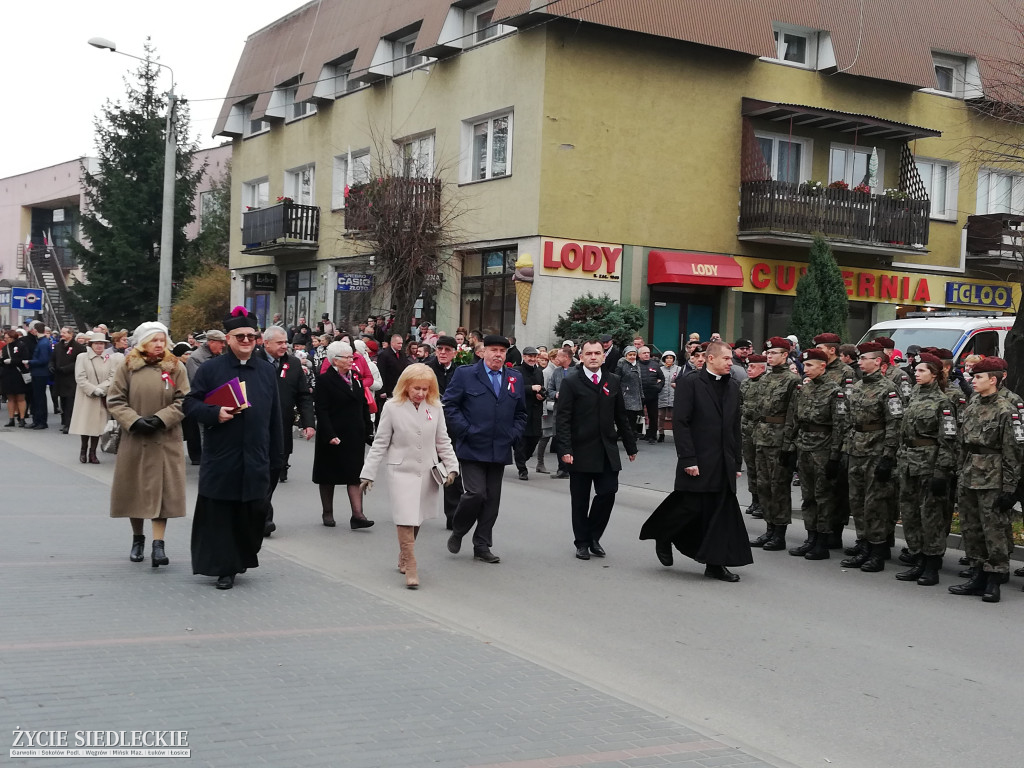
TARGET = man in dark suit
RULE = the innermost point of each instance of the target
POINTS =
(391, 362)
(533, 398)
(443, 365)
(513, 355)
(590, 407)
(612, 354)
(702, 517)
(293, 387)
(483, 406)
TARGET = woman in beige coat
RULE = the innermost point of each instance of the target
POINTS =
(411, 439)
(94, 371)
(149, 476)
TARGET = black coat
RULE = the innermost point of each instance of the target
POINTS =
(341, 412)
(444, 377)
(390, 366)
(586, 418)
(239, 454)
(293, 387)
(652, 379)
(63, 362)
(611, 359)
(11, 382)
(534, 407)
(706, 426)
(514, 356)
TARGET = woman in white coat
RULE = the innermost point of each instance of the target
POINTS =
(94, 371)
(412, 440)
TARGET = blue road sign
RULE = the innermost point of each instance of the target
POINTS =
(27, 298)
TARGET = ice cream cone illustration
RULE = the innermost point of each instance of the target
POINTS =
(523, 281)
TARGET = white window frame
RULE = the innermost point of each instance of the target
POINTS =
(989, 201)
(417, 143)
(958, 65)
(468, 169)
(251, 197)
(952, 185)
(806, 152)
(475, 35)
(296, 110)
(810, 37)
(405, 58)
(293, 182)
(847, 170)
(349, 169)
(247, 121)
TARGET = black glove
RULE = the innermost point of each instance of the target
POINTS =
(369, 439)
(883, 471)
(832, 469)
(154, 422)
(789, 460)
(142, 427)
(938, 485)
(1006, 501)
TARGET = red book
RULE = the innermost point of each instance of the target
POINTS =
(227, 396)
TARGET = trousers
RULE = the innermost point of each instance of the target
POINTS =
(523, 451)
(750, 461)
(817, 490)
(986, 529)
(773, 485)
(481, 482)
(590, 517)
(923, 515)
(870, 500)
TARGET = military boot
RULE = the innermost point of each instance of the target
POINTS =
(820, 550)
(860, 545)
(807, 546)
(835, 539)
(859, 558)
(930, 575)
(765, 537)
(973, 586)
(778, 540)
(876, 560)
(992, 586)
(915, 570)
(907, 557)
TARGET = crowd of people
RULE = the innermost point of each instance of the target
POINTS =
(868, 432)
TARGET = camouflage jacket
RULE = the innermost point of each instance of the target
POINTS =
(816, 418)
(928, 433)
(840, 373)
(776, 390)
(903, 384)
(749, 407)
(873, 427)
(990, 443)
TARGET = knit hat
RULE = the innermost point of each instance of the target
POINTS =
(814, 354)
(147, 331)
(778, 342)
(181, 348)
(240, 318)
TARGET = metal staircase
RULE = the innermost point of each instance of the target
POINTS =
(44, 266)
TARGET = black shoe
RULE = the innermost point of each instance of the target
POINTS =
(965, 560)
(820, 549)
(777, 543)
(807, 546)
(10, 423)
(856, 561)
(454, 543)
(64, 430)
(138, 553)
(283, 477)
(1019, 572)
(582, 553)
(930, 575)
(992, 588)
(268, 528)
(486, 556)
(596, 549)
(661, 437)
(23, 424)
(721, 573)
(859, 546)
(225, 582)
(915, 570)
(328, 519)
(524, 474)
(196, 462)
(652, 439)
(966, 573)
(876, 561)
(796, 481)
(663, 549)
(758, 513)
(835, 540)
(355, 523)
(975, 585)
(158, 555)
(764, 538)
(39, 426)
(560, 475)
(906, 558)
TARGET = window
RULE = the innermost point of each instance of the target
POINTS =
(250, 126)
(950, 75)
(490, 150)
(851, 164)
(1000, 192)
(298, 185)
(418, 157)
(480, 24)
(349, 169)
(940, 179)
(404, 53)
(488, 294)
(296, 109)
(795, 45)
(299, 295)
(786, 157)
(207, 208)
(256, 193)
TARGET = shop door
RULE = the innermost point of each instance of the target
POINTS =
(665, 334)
(698, 320)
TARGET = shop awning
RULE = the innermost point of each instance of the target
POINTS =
(693, 268)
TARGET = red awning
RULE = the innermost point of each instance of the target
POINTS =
(693, 268)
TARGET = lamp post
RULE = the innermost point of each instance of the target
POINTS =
(163, 308)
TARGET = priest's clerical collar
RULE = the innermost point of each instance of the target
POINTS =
(716, 376)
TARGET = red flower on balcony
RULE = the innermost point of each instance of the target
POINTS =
(863, 189)
(840, 184)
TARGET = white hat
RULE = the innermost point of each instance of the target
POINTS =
(361, 347)
(569, 343)
(666, 353)
(146, 331)
(794, 339)
(96, 336)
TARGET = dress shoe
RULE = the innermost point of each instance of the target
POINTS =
(39, 426)
(777, 542)
(486, 556)
(283, 477)
(82, 457)
(582, 553)
(225, 582)
(268, 528)
(454, 543)
(328, 518)
(652, 439)
(597, 550)
(158, 555)
(975, 585)
(661, 437)
(63, 430)
(524, 474)
(138, 549)
(721, 573)
(560, 475)
(663, 549)
(355, 523)
(542, 470)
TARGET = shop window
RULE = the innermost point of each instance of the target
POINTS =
(488, 296)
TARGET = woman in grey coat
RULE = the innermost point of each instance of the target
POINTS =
(628, 371)
(671, 372)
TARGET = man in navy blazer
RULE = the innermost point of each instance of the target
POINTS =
(485, 413)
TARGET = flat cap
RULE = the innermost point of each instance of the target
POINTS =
(494, 340)
(447, 341)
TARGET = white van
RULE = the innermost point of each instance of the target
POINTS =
(964, 334)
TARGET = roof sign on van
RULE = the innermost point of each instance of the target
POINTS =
(977, 295)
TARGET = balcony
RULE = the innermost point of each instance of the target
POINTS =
(61, 254)
(995, 241)
(281, 229)
(787, 213)
(394, 203)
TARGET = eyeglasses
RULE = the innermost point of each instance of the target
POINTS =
(244, 336)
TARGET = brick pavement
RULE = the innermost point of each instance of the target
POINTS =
(290, 668)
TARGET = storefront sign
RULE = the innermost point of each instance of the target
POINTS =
(263, 281)
(972, 294)
(565, 258)
(354, 282)
(881, 286)
(5, 297)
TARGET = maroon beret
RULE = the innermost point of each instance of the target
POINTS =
(989, 365)
(886, 342)
(869, 346)
(814, 354)
(827, 338)
(927, 357)
(704, 346)
(943, 354)
(779, 342)
(757, 359)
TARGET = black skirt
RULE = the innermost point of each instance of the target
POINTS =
(226, 536)
(707, 527)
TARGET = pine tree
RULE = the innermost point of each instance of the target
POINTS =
(590, 316)
(119, 249)
(821, 305)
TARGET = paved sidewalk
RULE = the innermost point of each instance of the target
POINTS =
(290, 668)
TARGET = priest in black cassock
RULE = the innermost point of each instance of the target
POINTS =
(702, 517)
(241, 449)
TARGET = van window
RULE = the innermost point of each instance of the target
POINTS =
(985, 343)
(944, 338)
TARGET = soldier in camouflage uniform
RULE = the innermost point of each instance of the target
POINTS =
(776, 388)
(893, 372)
(749, 413)
(814, 428)
(925, 464)
(872, 437)
(990, 444)
(843, 375)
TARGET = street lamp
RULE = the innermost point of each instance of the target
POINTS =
(163, 307)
